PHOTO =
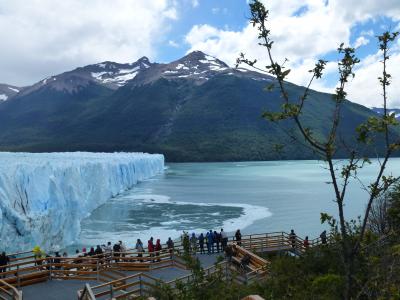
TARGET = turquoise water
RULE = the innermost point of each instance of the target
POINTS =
(256, 197)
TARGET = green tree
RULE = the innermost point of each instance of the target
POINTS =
(374, 130)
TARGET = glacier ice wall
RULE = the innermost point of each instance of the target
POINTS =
(44, 196)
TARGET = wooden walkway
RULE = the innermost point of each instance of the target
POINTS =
(110, 277)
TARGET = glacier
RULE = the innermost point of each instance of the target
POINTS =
(44, 196)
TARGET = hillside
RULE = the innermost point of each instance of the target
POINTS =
(194, 109)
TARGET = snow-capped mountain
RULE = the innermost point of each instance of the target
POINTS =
(108, 74)
(196, 66)
(8, 91)
(115, 75)
(396, 111)
(196, 108)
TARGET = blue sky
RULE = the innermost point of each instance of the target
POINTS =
(223, 14)
(233, 16)
(40, 39)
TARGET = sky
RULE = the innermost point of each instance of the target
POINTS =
(40, 38)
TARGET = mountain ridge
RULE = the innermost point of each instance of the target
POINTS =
(195, 108)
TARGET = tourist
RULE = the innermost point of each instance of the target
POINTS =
(185, 242)
(170, 245)
(193, 243)
(4, 261)
(92, 252)
(217, 240)
(306, 243)
(224, 238)
(207, 238)
(214, 240)
(37, 254)
(116, 251)
(323, 237)
(98, 251)
(122, 248)
(201, 243)
(210, 242)
(77, 254)
(108, 252)
(139, 248)
(292, 238)
(57, 260)
(238, 237)
(108, 248)
(84, 252)
(150, 246)
(158, 248)
(65, 254)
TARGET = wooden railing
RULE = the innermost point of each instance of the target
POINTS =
(86, 293)
(139, 285)
(25, 269)
(275, 242)
(8, 292)
(25, 272)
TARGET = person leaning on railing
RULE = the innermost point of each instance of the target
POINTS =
(323, 237)
(306, 243)
(170, 246)
(158, 248)
(4, 261)
(37, 254)
(224, 238)
(238, 237)
(292, 238)
(139, 248)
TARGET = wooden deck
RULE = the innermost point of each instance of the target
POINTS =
(110, 277)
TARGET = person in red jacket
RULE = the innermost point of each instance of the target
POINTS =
(150, 246)
(158, 248)
(306, 243)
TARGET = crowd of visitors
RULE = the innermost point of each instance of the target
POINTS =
(204, 243)
(209, 242)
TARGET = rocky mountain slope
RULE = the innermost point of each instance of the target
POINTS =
(196, 108)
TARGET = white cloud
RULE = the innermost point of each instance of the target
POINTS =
(215, 10)
(173, 44)
(171, 13)
(367, 32)
(195, 3)
(365, 87)
(361, 41)
(301, 38)
(42, 37)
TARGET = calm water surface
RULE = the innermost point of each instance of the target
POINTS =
(253, 196)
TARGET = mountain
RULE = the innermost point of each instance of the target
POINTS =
(8, 91)
(196, 108)
(380, 110)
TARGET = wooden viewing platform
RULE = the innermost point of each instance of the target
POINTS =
(128, 275)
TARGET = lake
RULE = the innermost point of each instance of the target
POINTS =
(256, 197)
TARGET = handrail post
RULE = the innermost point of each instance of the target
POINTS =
(97, 270)
(111, 291)
(18, 279)
(49, 262)
(250, 242)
